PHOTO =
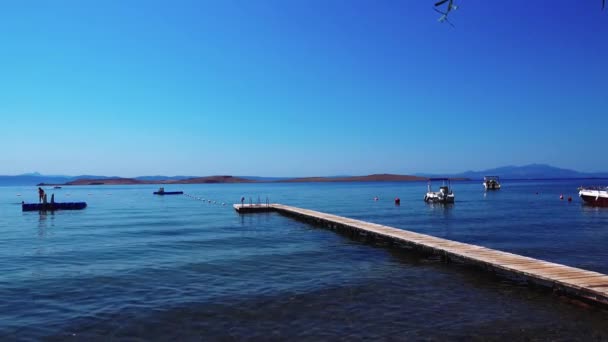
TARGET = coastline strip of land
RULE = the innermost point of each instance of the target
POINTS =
(232, 179)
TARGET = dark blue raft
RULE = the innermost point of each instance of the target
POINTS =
(53, 206)
(168, 192)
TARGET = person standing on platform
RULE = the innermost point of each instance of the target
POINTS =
(40, 194)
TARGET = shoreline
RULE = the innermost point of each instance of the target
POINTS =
(234, 180)
(237, 180)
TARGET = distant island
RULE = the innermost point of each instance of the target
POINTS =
(133, 181)
(232, 179)
(370, 178)
(531, 171)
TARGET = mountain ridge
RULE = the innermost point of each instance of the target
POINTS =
(529, 171)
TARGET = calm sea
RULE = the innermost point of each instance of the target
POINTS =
(136, 266)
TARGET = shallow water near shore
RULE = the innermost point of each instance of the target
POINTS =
(134, 265)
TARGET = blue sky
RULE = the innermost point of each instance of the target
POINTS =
(300, 88)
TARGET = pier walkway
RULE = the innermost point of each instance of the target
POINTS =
(586, 285)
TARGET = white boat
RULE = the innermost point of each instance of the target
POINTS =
(596, 196)
(444, 195)
(491, 183)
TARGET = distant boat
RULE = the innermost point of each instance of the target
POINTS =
(444, 195)
(56, 187)
(596, 196)
(491, 183)
(162, 191)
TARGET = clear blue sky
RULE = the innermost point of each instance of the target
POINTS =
(300, 88)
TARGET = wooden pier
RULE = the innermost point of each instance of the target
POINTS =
(575, 282)
(254, 208)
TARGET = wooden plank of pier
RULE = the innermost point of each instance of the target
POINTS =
(588, 285)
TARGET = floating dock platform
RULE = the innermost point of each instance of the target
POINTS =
(53, 206)
(586, 285)
(253, 208)
(168, 193)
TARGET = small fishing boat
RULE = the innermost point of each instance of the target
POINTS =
(491, 183)
(52, 206)
(444, 195)
(161, 191)
(595, 196)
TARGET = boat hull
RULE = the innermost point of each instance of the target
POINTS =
(162, 193)
(594, 198)
(431, 198)
(492, 186)
(442, 201)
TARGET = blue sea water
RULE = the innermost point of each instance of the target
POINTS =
(133, 266)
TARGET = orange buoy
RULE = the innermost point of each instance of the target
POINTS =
(569, 198)
(397, 201)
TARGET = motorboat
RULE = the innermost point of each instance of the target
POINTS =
(161, 191)
(491, 183)
(596, 196)
(444, 195)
